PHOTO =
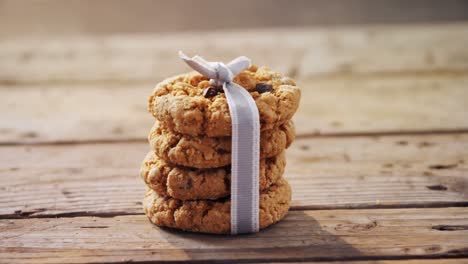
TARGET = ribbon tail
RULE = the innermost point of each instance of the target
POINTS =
(199, 64)
(245, 158)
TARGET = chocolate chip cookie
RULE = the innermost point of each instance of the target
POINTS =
(190, 184)
(209, 216)
(189, 104)
(212, 152)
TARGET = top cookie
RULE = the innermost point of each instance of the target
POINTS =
(188, 104)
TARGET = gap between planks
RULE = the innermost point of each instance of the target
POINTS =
(298, 137)
(31, 214)
(416, 75)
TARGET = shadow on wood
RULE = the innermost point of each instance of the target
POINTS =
(315, 242)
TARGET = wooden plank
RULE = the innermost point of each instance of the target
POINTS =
(302, 235)
(304, 52)
(325, 173)
(367, 105)
(345, 105)
(54, 114)
(378, 171)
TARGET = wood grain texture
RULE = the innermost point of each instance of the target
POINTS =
(325, 173)
(302, 235)
(47, 113)
(303, 53)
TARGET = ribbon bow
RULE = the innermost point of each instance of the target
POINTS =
(218, 72)
(245, 153)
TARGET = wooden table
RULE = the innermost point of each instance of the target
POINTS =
(379, 168)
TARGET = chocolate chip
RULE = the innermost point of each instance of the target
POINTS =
(210, 92)
(263, 87)
(223, 151)
(218, 88)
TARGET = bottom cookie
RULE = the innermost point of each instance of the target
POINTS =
(208, 216)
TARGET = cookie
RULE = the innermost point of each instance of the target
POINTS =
(188, 104)
(212, 152)
(209, 216)
(190, 184)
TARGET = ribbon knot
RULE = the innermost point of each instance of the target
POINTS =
(223, 74)
(218, 72)
(245, 151)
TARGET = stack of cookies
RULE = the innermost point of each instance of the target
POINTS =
(188, 168)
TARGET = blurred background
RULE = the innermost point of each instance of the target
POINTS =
(104, 17)
(83, 70)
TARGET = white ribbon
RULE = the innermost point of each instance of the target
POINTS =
(245, 154)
